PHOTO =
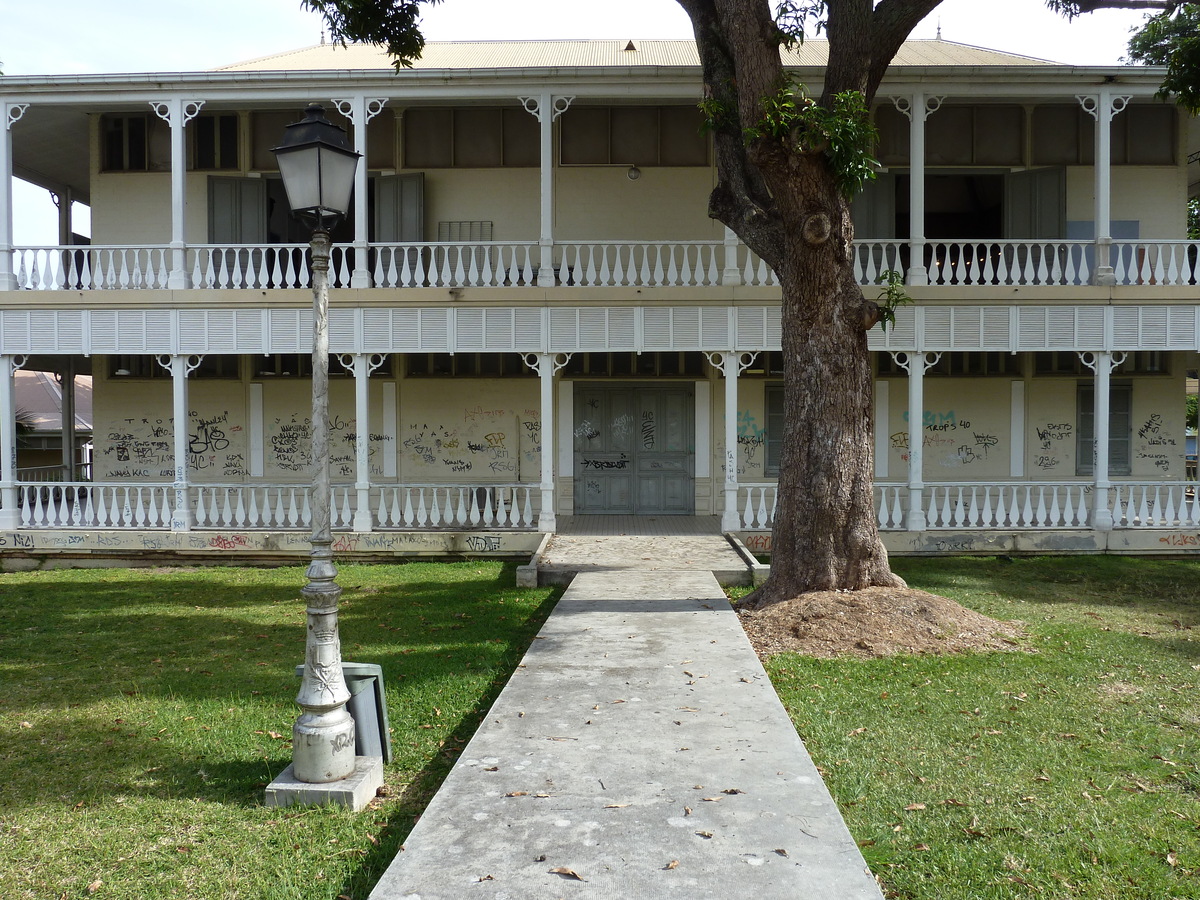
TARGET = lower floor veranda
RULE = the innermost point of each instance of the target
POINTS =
(478, 451)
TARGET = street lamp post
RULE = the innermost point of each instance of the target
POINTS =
(317, 167)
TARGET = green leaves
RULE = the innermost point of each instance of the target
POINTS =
(392, 23)
(844, 132)
(1172, 39)
(891, 298)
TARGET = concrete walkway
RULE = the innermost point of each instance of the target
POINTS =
(638, 752)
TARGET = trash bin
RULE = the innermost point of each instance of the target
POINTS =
(367, 708)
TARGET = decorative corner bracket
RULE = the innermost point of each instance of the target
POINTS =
(15, 112)
(188, 109)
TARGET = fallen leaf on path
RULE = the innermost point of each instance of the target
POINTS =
(781, 851)
(517, 794)
(705, 834)
(673, 864)
(914, 806)
(732, 791)
(617, 805)
(569, 873)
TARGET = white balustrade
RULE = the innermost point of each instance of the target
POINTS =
(458, 506)
(1009, 262)
(756, 505)
(891, 505)
(873, 259)
(1008, 505)
(591, 263)
(90, 505)
(1156, 504)
(640, 263)
(1156, 262)
(91, 268)
(490, 264)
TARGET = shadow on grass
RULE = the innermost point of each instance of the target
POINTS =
(127, 681)
(1155, 586)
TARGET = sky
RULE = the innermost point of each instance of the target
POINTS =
(153, 36)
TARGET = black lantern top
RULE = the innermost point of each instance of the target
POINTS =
(317, 166)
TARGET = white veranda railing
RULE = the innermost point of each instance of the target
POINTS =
(275, 506)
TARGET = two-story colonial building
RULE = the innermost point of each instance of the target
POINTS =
(533, 317)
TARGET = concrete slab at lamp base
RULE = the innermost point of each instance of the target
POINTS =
(355, 790)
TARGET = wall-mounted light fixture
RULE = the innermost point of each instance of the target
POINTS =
(634, 173)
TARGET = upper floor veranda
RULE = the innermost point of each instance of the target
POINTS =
(580, 165)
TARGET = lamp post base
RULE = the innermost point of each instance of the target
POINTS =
(354, 791)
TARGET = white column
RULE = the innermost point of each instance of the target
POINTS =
(546, 108)
(1016, 428)
(917, 108)
(731, 273)
(9, 512)
(66, 390)
(63, 200)
(883, 427)
(362, 367)
(731, 367)
(1103, 107)
(360, 110)
(547, 366)
(180, 367)
(177, 112)
(10, 114)
(916, 364)
(1101, 363)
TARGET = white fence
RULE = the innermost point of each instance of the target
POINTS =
(591, 263)
(1011, 505)
(1156, 505)
(275, 506)
(963, 506)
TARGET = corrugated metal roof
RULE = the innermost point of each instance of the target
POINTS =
(595, 54)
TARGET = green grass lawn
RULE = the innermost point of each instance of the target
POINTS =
(1069, 771)
(143, 712)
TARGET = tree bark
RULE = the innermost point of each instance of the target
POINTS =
(783, 200)
(826, 535)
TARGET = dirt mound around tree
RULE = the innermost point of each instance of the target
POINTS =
(873, 622)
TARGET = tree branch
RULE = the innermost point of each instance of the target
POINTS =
(741, 198)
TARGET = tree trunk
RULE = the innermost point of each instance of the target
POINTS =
(826, 535)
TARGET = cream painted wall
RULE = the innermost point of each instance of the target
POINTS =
(1051, 422)
(134, 208)
(601, 203)
(507, 197)
(287, 429)
(470, 430)
(1152, 195)
(134, 431)
(1158, 425)
(967, 431)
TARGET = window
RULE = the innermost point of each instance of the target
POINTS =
(299, 365)
(470, 137)
(1120, 429)
(211, 366)
(617, 365)
(1141, 135)
(633, 136)
(466, 365)
(774, 404)
(957, 364)
(214, 141)
(1066, 362)
(134, 143)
